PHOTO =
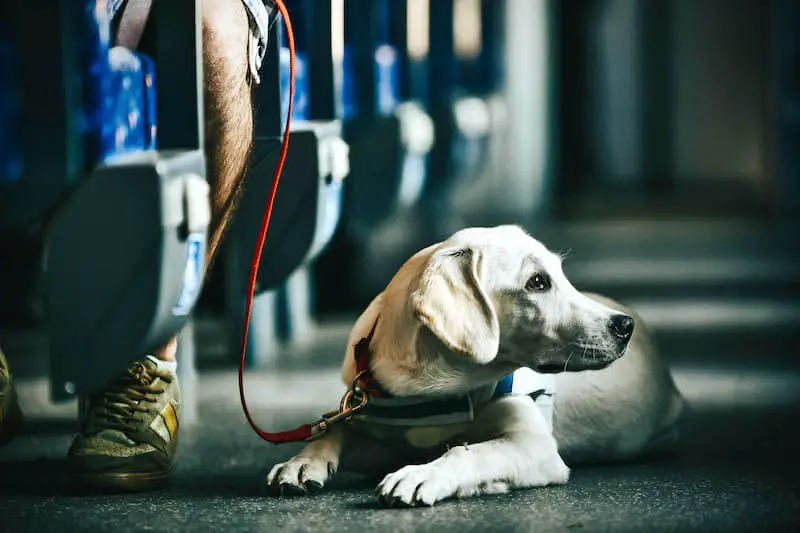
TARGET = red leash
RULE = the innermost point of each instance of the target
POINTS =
(307, 430)
(364, 384)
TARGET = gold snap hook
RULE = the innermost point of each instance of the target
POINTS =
(354, 399)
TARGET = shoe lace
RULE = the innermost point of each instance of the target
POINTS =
(126, 400)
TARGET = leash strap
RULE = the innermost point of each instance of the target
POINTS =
(306, 431)
(365, 379)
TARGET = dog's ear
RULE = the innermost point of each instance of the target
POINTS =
(450, 300)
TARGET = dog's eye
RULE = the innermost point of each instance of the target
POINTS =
(538, 283)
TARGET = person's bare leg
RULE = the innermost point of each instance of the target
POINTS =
(229, 118)
(228, 108)
(129, 436)
(169, 351)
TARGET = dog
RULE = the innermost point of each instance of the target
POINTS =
(457, 321)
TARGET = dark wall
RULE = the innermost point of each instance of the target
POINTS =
(671, 95)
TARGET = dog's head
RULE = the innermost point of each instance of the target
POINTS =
(499, 294)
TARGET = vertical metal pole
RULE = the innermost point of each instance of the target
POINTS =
(530, 74)
(360, 38)
(267, 95)
(187, 374)
(655, 68)
(398, 36)
(442, 66)
(179, 74)
(785, 117)
(323, 79)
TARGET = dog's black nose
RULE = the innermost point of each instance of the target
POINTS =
(622, 326)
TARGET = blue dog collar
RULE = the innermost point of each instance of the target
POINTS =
(427, 411)
(540, 387)
(385, 408)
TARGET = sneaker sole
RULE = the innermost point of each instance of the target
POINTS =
(12, 421)
(118, 482)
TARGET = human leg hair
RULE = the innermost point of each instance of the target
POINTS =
(228, 117)
(228, 109)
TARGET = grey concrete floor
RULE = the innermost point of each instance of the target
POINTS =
(737, 468)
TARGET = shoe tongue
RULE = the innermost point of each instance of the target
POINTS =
(150, 371)
(151, 367)
(149, 362)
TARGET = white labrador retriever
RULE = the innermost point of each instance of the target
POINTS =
(457, 319)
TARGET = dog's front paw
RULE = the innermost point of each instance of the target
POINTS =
(414, 485)
(299, 475)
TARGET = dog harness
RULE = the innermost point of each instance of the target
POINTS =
(419, 410)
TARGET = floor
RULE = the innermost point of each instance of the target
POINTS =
(737, 469)
(725, 302)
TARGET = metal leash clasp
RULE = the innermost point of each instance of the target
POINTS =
(354, 400)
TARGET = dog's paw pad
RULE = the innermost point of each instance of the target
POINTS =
(312, 487)
(298, 476)
(556, 472)
(412, 486)
(287, 489)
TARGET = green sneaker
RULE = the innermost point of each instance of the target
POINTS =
(129, 435)
(10, 414)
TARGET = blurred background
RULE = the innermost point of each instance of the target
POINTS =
(657, 142)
